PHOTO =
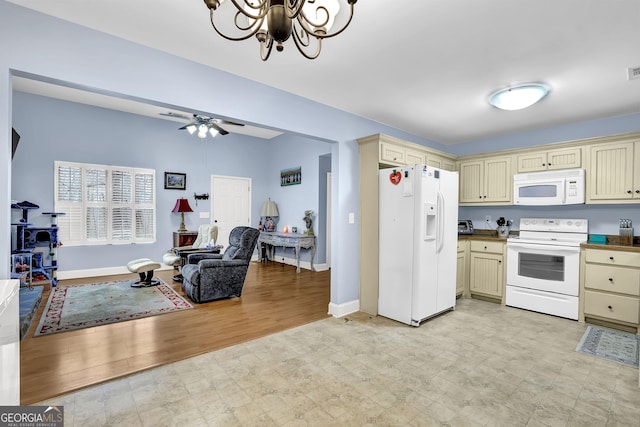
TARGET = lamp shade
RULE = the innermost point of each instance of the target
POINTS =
(182, 205)
(269, 208)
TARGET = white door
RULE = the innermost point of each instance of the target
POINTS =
(230, 204)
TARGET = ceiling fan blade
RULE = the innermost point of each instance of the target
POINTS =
(218, 128)
(227, 122)
(187, 125)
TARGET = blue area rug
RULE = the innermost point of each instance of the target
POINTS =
(30, 299)
(83, 306)
(609, 344)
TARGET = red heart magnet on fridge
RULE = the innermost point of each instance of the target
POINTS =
(395, 177)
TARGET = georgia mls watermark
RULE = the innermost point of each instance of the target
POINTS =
(31, 416)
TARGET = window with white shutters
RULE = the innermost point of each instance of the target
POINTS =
(104, 204)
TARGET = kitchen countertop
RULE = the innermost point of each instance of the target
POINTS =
(612, 247)
(482, 235)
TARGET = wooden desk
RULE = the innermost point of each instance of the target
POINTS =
(289, 240)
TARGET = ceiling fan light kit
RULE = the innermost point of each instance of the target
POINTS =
(207, 125)
(273, 22)
(519, 96)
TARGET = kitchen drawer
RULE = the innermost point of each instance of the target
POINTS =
(485, 246)
(631, 259)
(613, 279)
(615, 307)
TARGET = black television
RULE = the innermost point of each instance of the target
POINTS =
(15, 138)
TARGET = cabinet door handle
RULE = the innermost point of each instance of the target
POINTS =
(610, 308)
(638, 191)
(611, 279)
(499, 261)
(548, 164)
(544, 164)
(485, 248)
(629, 192)
(611, 258)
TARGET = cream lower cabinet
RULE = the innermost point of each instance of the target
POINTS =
(462, 276)
(486, 181)
(487, 269)
(610, 281)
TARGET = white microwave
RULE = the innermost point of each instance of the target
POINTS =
(559, 187)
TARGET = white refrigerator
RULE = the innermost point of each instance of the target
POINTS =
(418, 232)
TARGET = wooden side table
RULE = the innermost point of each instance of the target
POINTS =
(185, 238)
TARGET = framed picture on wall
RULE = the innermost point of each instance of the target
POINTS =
(291, 176)
(175, 181)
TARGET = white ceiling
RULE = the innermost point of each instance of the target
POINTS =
(423, 66)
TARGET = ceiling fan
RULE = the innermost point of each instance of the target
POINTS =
(204, 124)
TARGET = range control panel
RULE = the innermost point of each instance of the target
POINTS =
(554, 224)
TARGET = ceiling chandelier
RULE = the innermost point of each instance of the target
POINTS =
(307, 22)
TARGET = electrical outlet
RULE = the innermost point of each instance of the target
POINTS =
(487, 218)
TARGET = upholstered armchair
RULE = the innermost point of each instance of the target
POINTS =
(208, 277)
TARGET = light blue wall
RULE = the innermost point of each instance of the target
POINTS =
(603, 219)
(79, 133)
(47, 48)
(588, 129)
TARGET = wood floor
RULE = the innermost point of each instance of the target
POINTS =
(274, 298)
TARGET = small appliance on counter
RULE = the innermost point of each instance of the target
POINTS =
(465, 226)
(503, 226)
(626, 232)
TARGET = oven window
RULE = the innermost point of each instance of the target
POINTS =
(541, 266)
(538, 191)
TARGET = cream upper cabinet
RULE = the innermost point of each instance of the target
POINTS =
(392, 154)
(486, 180)
(564, 158)
(397, 155)
(440, 162)
(413, 157)
(614, 173)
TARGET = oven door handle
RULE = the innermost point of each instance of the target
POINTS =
(546, 248)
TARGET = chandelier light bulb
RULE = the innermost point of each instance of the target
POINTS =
(191, 128)
(274, 22)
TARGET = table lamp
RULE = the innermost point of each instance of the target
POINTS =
(182, 206)
(269, 211)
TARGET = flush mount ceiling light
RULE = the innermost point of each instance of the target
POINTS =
(307, 22)
(519, 96)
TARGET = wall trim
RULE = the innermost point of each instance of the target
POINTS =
(340, 310)
(105, 271)
(292, 261)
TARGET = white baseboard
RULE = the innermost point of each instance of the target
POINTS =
(340, 310)
(105, 271)
(292, 261)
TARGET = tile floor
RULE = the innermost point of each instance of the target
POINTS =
(480, 365)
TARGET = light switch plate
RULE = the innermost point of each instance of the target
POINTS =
(352, 218)
(204, 215)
